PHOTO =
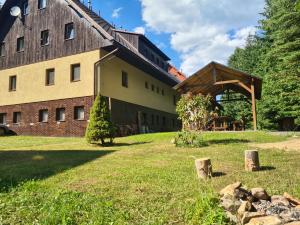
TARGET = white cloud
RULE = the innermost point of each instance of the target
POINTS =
(116, 12)
(140, 30)
(203, 30)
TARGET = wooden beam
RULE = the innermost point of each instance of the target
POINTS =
(253, 105)
(233, 99)
(226, 82)
(245, 87)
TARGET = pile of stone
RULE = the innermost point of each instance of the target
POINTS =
(256, 207)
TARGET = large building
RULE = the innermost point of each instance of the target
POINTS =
(57, 55)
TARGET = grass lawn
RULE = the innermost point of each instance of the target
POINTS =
(143, 179)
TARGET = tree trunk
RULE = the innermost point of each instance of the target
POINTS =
(252, 160)
(204, 168)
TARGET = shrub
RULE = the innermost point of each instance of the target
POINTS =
(195, 111)
(100, 126)
(189, 139)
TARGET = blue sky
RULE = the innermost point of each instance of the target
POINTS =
(191, 32)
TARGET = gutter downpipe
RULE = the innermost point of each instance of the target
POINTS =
(97, 77)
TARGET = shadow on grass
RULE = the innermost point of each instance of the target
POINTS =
(266, 168)
(121, 144)
(218, 174)
(226, 141)
(20, 166)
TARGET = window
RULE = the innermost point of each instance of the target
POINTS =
(16, 117)
(157, 61)
(3, 118)
(157, 90)
(152, 119)
(2, 49)
(61, 114)
(164, 121)
(75, 72)
(45, 37)
(145, 120)
(25, 8)
(163, 92)
(146, 85)
(69, 31)
(152, 57)
(43, 116)
(20, 44)
(124, 79)
(157, 120)
(79, 113)
(50, 77)
(174, 100)
(152, 87)
(42, 4)
(12, 83)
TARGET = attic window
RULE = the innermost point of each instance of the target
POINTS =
(69, 31)
(45, 37)
(42, 4)
(2, 49)
(20, 44)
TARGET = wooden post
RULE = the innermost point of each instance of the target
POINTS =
(204, 168)
(253, 105)
(251, 160)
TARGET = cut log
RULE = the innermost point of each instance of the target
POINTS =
(204, 168)
(252, 160)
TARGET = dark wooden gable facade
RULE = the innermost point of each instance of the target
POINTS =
(53, 18)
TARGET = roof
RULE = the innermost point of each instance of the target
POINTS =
(215, 78)
(111, 34)
(175, 72)
(145, 39)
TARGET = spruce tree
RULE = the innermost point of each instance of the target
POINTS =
(100, 126)
(281, 93)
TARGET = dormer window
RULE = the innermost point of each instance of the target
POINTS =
(2, 49)
(45, 37)
(69, 31)
(25, 8)
(42, 4)
(20, 44)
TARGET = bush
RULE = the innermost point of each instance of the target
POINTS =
(195, 111)
(100, 126)
(189, 139)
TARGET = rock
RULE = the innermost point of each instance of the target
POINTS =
(293, 223)
(243, 194)
(266, 220)
(231, 217)
(260, 193)
(230, 204)
(279, 200)
(250, 215)
(245, 207)
(290, 215)
(292, 199)
(298, 207)
(261, 205)
(230, 189)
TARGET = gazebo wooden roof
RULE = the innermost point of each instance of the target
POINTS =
(214, 79)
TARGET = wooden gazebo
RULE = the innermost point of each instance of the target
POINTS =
(214, 79)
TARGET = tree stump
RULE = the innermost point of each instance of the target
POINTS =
(252, 160)
(204, 168)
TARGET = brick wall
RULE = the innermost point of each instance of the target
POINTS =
(124, 115)
(30, 124)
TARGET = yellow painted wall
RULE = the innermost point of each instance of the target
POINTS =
(31, 83)
(31, 80)
(136, 93)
